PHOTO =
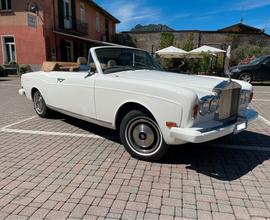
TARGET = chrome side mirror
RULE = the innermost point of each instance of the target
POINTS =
(90, 73)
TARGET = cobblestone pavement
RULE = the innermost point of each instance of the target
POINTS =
(82, 171)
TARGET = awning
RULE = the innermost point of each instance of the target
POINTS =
(171, 52)
(198, 52)
(207, 49)
(85, 39)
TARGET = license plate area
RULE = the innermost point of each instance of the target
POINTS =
(240, 126)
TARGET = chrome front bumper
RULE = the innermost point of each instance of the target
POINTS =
(200, 135)
(22, 91)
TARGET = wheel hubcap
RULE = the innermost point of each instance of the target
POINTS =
(143, 136)
(246, 78)
(39, 103)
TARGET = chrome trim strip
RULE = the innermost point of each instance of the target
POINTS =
(84, 118)
(225, 85)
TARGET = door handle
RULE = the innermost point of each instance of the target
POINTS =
(60, 80)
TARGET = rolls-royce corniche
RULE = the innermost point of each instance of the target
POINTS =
(123, 88)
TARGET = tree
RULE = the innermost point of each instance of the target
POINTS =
(205, 62)
(233, 40)
(247, 50)
(188, 44)
(151, 27)
(166, 39)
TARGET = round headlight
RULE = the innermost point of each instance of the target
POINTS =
(214, 104)
(209, 104)
(205, 107)
(244, 97)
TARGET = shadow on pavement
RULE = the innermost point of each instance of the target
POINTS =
(246, 138)
(89, 127)
(220, 163)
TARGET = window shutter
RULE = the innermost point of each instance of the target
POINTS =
(73, 8)
(61, 13)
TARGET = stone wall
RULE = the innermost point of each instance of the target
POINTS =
(150, 41)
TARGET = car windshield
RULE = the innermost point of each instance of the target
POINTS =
(257, 60)
(121, 59)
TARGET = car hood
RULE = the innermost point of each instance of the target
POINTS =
(202, 85)
(244, 66)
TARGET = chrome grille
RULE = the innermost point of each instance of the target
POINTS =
(229, 103)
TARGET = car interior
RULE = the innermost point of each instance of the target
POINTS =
(80, 65)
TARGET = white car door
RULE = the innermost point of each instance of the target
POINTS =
(73, 92)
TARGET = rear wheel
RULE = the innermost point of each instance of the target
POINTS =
(40, 105)
(247, 77)
(142, 137)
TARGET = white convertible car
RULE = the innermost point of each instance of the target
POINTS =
(125, 89)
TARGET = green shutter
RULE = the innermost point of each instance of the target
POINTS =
(73, 11)
(61, 13)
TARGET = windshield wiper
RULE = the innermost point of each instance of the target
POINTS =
(114, 69)
(143, 66)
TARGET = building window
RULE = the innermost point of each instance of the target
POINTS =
(67, 14)
(9, 49)
(107, 29)
(5, 4)
(97, 22)
(82, 10)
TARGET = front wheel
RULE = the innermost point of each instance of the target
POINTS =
(40, 105)
(247, 77)
(142, 137)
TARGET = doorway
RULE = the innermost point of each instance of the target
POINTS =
(9, 49)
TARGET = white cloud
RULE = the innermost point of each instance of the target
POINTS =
(132, 13)
(251, 4)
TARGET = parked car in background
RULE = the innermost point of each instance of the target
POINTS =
(256, 70)
(126, 90)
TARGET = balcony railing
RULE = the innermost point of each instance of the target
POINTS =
(78, 26)
(82, 27)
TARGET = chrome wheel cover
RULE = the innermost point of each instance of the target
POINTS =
(246, 78)
(143, 136)
(39, 103)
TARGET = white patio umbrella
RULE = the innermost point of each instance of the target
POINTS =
(206, 49)
(171, 52)
(227, 61)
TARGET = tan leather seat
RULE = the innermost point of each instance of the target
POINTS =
(82, 61)
(49, 66)
(111, 63)
(60, 66)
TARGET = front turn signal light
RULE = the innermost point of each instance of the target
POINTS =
(170, 124)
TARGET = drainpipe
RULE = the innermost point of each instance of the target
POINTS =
(54, 25)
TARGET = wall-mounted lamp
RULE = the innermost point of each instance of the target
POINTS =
(33, 7)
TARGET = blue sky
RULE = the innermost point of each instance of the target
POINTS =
(196, 14)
